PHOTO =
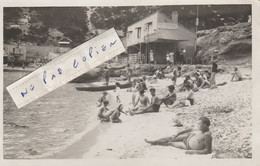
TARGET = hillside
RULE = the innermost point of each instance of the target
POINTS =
(34, 23)
(234, 43)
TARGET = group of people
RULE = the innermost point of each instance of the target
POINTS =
(195, 142)
(172, 57)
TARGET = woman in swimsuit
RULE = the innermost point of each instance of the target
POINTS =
(171, 97)
(188, 100)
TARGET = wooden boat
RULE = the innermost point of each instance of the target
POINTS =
(98, 87)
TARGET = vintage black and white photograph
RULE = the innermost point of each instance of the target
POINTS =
(182, 88)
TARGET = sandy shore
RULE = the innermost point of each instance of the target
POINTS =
(228, 107)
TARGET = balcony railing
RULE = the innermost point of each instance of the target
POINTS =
(150, 37)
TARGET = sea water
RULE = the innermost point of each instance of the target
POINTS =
(48, 124)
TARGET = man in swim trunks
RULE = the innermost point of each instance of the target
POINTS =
(144, 101)
(153, 107)
(195, 142)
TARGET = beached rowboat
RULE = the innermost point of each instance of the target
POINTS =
(98, 87)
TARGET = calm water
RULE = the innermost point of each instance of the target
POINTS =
(47, 124)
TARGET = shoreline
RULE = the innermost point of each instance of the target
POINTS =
(79, 147)
(126, 140)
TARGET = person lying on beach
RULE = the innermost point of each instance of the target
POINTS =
(188, 100)
(153, 107)
(117, 92)
(102, 112)
(144, 101)
(114, 115)
(236, 75)
(159, 73)
(102, 99)
(170, 98)
(195, 142)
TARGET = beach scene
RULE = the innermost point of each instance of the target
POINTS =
(182, 89)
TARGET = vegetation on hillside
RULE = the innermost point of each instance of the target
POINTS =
(74, 22)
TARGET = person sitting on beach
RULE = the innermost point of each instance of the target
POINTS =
(170, 98)
(102, 112)
(153, 107)
(102, 99)
(195, 142)
(236, 75)
(188, 100)
(144, 101)
(114, 115)
(142, 85)
(185, 83)
(117, 92)
(179, 73)
(201, 81)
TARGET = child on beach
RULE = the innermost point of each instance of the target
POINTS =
(236, 75)
(170, 98)
(117, 92)
(102, 112)
(188, 100)
(153, 107)
(114, 116)
(195, 142)
(102, 99)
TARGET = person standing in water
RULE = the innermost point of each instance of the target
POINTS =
(107, 74)
(194, 141)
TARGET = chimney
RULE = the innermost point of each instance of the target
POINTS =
(175, 17)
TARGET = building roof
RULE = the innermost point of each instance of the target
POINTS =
(65, 39)
(144, 18)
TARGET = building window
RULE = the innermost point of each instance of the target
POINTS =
(149, 27)
(129, 34)
(138, 32)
